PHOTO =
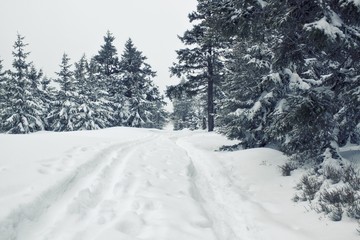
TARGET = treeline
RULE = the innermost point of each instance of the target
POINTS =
(105, 91)
(284, 74)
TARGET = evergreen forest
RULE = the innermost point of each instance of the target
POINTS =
(105, 91)
(279, 74)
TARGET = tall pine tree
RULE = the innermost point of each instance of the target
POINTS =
(64, 111)
(105, 67)
(142, 95)
(200, 63)
(22, 111)
(92, 114)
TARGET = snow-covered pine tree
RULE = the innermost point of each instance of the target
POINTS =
(47, 96)
(91, 113)
(98, 93)
(345, 76)
(110, 81)
(107, 56)
(22, 111)
(317, 57)
(3, 91)
(142, 94)
(182, 112)
(159, 116)
(201, 62)
(252, 92)
(2, 83)
(252, 89)
(187, 111)
(65, 109)
(35, 78)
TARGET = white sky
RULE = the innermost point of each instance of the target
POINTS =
(52, 27)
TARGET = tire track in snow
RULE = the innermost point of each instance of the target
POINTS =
(26, 218)
(213, 190)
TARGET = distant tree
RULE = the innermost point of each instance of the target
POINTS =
(64, 113)
(47, 96)
(107, 64)
(98, 92)
(107, 56)
(91, 113)
(3, 91)
(159, 116)
(184, 111)
(142, 95)
(22, 112)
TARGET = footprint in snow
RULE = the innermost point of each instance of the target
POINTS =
(131, 224)
(107, 211)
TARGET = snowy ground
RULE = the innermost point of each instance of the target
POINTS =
(128, 184)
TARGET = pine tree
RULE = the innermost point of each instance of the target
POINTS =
(3, 91)
(320, 51)
(252, 92)
(107, 56)
(141, 94)
(91, 114)
(2, 83)
(108, 75)
(159, 116)
(22, 111)
(98, 93)
(64, 113)
(184, 111)
(47, 96)
(201, 62)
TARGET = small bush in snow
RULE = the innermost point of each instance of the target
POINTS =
(343, 195)
(338, 200)
(352, 177)
(333, 173)
(354, 210)
(287, 168)
(336, 213)
(309, 185)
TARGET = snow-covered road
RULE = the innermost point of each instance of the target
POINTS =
(148, 184)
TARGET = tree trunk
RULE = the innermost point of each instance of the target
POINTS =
(211, 105)
(210, 93)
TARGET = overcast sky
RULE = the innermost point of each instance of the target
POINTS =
(52, 27)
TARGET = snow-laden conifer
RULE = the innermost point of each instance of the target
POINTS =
(143, 97)
(22, 110)
(65, 108)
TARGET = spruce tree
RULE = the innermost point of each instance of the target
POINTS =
(106, 69)
(142, 95)
(91, 113)
(200, 63)
(3, 92)
(107, 56)
(22, 111)
(252, 92)
(47, 96)
(65, 108)
(184, 111)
